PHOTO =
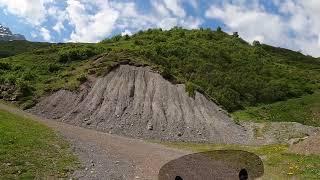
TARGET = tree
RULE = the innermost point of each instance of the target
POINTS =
(235, 34)
(256, 43)
(219, 29)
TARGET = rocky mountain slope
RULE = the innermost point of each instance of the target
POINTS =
(137, 102)
(7, 35)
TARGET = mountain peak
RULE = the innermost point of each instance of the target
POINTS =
(7, 35)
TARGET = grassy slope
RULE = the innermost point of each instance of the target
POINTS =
(233, 72)
(225, 67)
(39, 72)
(10, 48)
(305, 110)
(29, 150)
(278, 162)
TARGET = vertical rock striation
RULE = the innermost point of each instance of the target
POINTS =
(136, 102)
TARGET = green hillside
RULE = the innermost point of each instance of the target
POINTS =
(11, 48)
(305, 110)
(224, 67)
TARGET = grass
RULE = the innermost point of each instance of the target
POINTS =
(279, 163)
(38, 72)
(30, 150)
(304, 110)
(11, 48)
(226, 68)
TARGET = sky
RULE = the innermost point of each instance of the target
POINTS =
(292, 24)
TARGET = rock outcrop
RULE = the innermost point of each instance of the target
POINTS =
(137, 102)
(6, 35)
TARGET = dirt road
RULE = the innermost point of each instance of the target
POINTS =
(107, 156)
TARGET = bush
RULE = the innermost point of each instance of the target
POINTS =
(191, 89)
(53, 67)
(5, 66)
(24, 88)
(82, 78)
(77, 54)
(28, 76)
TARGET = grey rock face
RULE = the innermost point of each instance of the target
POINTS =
(136, 102)
(6, 35)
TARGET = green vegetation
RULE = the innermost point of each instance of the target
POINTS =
(35, 73)
(11, 48)
(279, 163)
(224, 67)
(305, 110)
(29, 150)
(283, 85)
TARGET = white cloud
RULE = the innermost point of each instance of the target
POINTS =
(90, 27)
(159, 16)
(60, 16)
(34, 35)
(126, 32)
(33, 11)
(58, 27)
(293, 24)
(167, 23)
(160, 8)
(250, 23)
(45, 33)
(175, 6)
(296, 26)
(91, 21)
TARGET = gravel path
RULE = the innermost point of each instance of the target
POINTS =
(107, 156)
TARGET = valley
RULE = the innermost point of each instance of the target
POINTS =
(130, 104)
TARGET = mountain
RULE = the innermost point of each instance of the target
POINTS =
(224, 68)
(13, 44)
(6, 35)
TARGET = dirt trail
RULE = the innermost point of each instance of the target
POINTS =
(107, 156)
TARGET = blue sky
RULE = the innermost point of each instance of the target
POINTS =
(291, 24)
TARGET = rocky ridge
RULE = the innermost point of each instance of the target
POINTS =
(7, 35)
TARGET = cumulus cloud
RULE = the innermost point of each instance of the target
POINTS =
(45, 33)
(33, 11)
(175, 6)
(252, 24)
(60, 16)
(90, 27)
(293, 24)
(91, 21)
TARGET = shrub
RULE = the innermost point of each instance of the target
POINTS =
(5, 66)
(191, 89)
(24, 88)
(28, 76)
(78, 53)
(82, 78)
(53, 67)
